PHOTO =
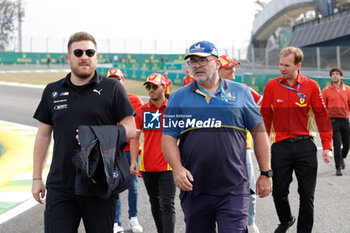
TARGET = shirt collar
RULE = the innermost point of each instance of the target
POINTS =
(194, 85)
(95, 79)
(341, 85)
(151, 104)
(299, 79)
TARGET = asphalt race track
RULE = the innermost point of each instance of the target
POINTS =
(332, 199)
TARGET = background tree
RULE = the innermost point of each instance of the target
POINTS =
(8, 15)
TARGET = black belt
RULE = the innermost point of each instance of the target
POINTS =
(295, 139)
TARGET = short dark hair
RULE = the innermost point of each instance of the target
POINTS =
(298, 54)
(79, 36)
(338, 69)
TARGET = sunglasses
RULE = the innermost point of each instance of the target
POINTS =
(149, 86)
(80, 52)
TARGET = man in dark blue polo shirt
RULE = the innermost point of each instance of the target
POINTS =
(81, 98)
(210, 117)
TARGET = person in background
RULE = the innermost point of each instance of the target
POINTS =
(48, 61)
(336, 97)
(136, 102)
(156, 172)
(81, 98)
(291, 105)
(227, 70)
(188, 78)
(169, 84)
(209, 120)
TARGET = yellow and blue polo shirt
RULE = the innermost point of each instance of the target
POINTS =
(212, 135)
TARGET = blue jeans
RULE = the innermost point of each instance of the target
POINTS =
(252, 185)
(132, 196)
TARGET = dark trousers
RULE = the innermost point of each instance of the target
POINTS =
(63, 212)
(204, 212)
(161, 190)
(300, 157)
(340, 136)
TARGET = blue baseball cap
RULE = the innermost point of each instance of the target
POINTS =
(202, 49)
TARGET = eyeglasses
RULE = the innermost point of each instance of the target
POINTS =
(202, 62)
(153, 86)
(80, 52)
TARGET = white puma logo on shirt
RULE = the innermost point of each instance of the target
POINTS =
(99, 92)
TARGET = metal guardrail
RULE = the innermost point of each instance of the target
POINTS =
(318, 59)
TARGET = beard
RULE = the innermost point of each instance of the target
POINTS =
(83, 70)
(204, 78)
(156, 97)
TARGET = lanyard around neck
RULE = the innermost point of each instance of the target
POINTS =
(214, 96)
(301, 95)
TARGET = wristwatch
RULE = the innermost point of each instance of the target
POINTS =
(268, 173)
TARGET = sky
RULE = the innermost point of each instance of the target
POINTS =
(119, 25)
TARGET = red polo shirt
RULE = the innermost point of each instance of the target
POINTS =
(257, 97)
(168, 86)
(337, 100)
(152, 158)
(136, 102)
(187, 80)
(286, 115)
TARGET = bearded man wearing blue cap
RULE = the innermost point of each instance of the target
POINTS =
(209, 117)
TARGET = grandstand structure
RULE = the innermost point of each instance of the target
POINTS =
(321, 28)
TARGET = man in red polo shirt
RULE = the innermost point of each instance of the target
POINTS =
(291, 105)
(156, 172)
(337, 100)
(228, 70)
(188, 78)
(169, 84)
(136, 102)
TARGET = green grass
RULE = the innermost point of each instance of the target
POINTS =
(132, 86)
(7, 205)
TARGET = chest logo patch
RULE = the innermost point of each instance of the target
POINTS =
(65, 93)
(54, 94)
(302, 102)
(97, 91)
(60, 107)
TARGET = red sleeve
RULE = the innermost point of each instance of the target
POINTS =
(325, 96)
(257, 97)
(266, 106)
(139, 118)
(135, 101)
(138, 102)
(321, 116)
